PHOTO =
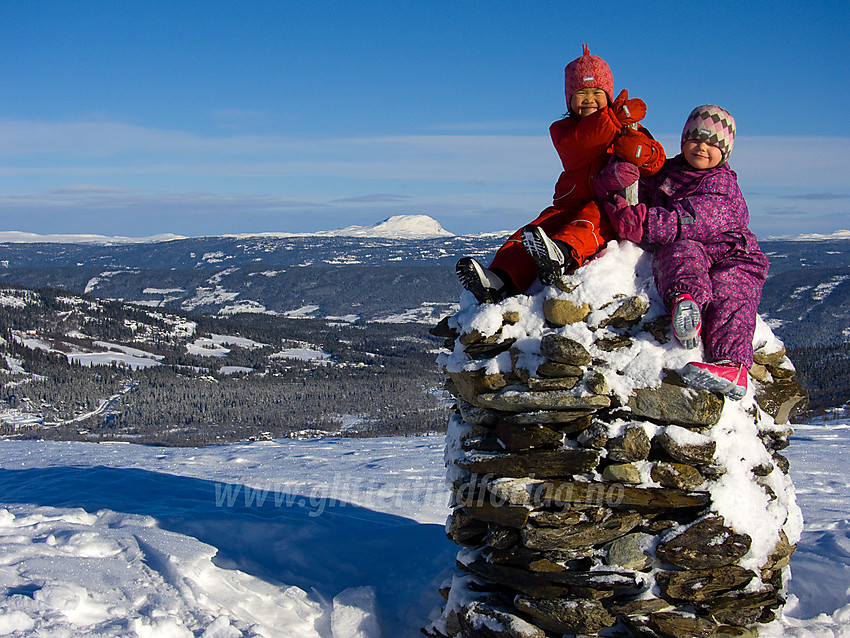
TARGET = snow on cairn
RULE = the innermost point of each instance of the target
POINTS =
(591, 488)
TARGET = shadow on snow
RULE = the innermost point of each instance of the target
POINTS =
(321, 545)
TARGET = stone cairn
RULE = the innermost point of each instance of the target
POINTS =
(587, 501)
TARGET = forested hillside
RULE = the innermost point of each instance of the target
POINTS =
(806, 298)
(174, 378)
(226, 338)
(825, 373)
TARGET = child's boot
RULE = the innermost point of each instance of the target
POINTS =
(686, 321)
(483, 283)
(550, 259)
(726, 377)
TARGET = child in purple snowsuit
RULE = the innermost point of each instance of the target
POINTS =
(707, 264)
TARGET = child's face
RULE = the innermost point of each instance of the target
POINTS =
(587, 101)
(700, 154)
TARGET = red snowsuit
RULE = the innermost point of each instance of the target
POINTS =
(584, 146)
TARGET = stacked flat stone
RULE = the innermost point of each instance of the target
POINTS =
(580, 506)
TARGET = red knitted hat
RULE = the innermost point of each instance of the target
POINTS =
(586, 72)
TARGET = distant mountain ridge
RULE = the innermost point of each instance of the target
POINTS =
(362, 303)
(19, 237)
(838, 234)
(400, 269)
(395, 227)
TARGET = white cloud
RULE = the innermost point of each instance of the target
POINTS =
(785, 162)
(792, 162)
(91, 148)
(86, 196)
(470, 182)
(83, 148)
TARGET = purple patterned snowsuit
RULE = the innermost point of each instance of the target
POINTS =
(696, 225)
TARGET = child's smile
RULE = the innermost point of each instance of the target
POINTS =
(586, 101)
(701, 154)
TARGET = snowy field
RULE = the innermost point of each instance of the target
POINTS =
(333, 538)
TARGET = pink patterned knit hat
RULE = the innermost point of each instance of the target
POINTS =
(588, 71)
(711, 124)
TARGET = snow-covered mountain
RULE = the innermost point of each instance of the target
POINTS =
(401, 267)
(18, 237)
(396, 227)
(838, 234)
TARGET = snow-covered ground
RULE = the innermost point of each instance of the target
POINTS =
(285, 538)
(334, 538)
(102, 353)
(819, 601)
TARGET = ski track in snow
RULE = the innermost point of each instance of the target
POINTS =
(332, 538)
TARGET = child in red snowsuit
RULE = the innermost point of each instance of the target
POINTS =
(707, 263)
(573, 229)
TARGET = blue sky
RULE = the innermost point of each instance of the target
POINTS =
(208, 117)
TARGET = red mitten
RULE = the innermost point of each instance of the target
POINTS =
(616, 176)
(628, 111)
(632, 147)
(626, 220)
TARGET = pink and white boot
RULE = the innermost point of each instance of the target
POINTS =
(687, 322)
(724, 377)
